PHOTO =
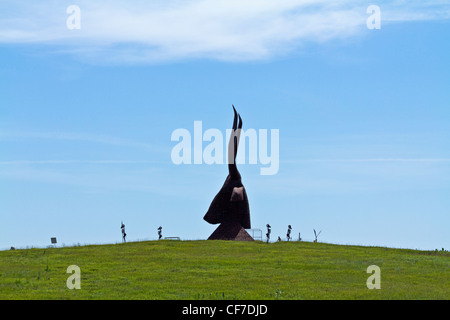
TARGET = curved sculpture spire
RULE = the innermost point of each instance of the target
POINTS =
(233, 146)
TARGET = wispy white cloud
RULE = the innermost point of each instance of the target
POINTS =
(149, 31)
(87, 180)
(419, 160)
(86, 137)
(416, 10)
(356, 176)
(86, 176)
(45, 162)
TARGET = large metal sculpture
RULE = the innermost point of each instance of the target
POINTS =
(230, 206)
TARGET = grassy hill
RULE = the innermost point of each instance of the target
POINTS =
(223, 270)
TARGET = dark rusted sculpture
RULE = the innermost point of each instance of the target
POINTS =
(124, 235)
(230, 206)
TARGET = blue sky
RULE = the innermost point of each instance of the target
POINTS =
(86, 118)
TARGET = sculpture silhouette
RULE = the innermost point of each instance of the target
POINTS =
(288, 235)
(124, 235)
(159, 233)
(268, 232)
(230, 206)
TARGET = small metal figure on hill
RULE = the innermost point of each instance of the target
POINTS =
(268, 232)
(159, 233)
(288, 235)
(124, 235)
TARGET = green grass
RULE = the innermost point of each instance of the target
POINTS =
(223, 270)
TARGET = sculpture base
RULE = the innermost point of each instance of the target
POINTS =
(230, 230)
